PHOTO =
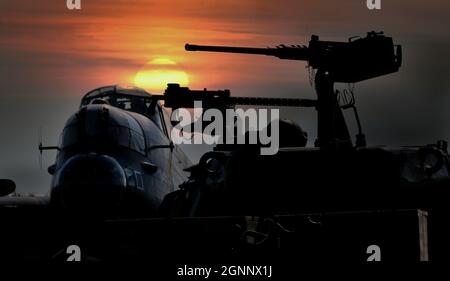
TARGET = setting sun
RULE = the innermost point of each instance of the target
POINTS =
(155, 76)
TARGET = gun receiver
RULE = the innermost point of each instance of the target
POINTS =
(357, 60)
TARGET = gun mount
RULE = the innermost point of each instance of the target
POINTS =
(357, 60)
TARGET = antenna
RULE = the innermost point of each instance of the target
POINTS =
(41, 147)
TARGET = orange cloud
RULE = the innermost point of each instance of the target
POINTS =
(110, 41)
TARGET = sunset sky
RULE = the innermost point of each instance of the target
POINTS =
(50, 56)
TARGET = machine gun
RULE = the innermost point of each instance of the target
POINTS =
(182, 97)
(176, 97)
(357, 60)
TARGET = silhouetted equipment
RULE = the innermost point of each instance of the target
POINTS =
(319, 238)
(332, 202)
(335, 176)
(182, 97)
(348, 62)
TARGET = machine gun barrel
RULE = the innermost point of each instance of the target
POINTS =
(278, 102)
(223, 49)
(282, 52)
